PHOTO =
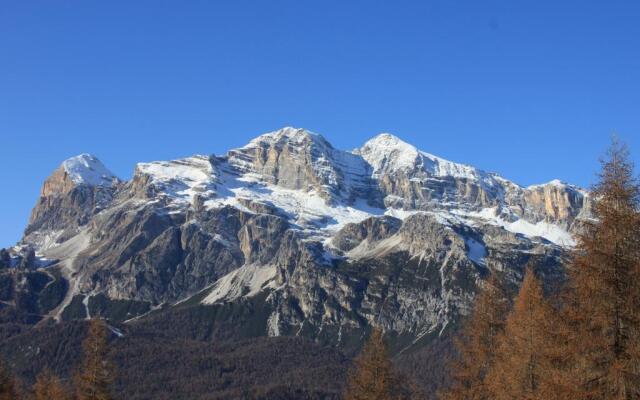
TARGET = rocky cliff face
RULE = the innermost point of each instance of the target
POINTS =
(312, 240)
(295, 159)
(555, 202)
(413, 179)
(76, 191)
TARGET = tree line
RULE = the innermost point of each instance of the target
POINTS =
(579, 343)
(91, 382)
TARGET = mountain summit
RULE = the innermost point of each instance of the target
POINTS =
(87, 169)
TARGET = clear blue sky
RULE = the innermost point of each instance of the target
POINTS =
(530, 89)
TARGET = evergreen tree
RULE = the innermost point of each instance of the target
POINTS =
(28, 259)
(49, 387)
(8, 390)
(529, 353)
(477, 345)
(373, 377)
(5, 259)
(96, 376)
(603, 299)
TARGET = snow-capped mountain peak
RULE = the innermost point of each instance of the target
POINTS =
(555, 183)
(290, 135)
(386, 152)
(88, 170)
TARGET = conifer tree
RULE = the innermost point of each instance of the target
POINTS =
(529, 354)
(28, 259)
(373, 377)
(5, 259)
(603, 299)
(8, 390)
(477, 345)
(97, 373)
(49, 387)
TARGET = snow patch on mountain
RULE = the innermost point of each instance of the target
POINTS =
(551, 232)
(88, 170)
(476, 251)
(181, 179)
(401, 213)
(308, 210)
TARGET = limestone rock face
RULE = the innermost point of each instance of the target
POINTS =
(413, 283)
(305, 238)
(56, 184)
(412, 179)
(372, 229)
(84, 169)
(299, 160)
(555, 202)
(77, 190)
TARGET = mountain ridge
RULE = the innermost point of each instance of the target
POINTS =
(289, 217)
(356, 151)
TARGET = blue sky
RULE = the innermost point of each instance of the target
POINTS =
(530, 89)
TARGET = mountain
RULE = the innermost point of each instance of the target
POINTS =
(284, 237)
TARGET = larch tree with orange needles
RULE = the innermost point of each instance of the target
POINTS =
(603, 298)
(373, 376)
(529, 352)
(49, 387)
(477, 345)
(96, 375)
